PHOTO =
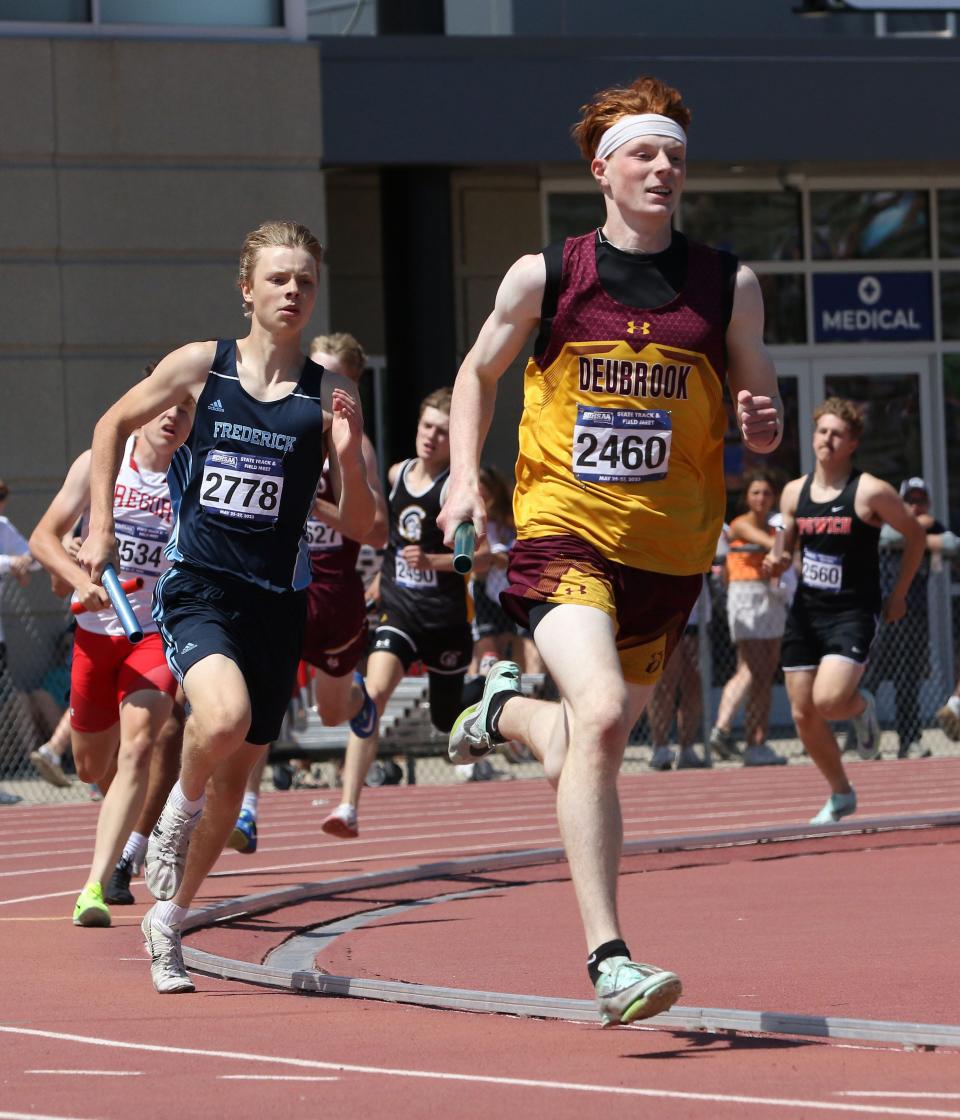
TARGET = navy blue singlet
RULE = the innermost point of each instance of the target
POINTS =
(243, 483)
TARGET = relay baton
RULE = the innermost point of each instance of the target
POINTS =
(121, 604)
(133, 584)
(464, 542)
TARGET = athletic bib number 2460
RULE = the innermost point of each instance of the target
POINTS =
(621, 444)
(242, 487)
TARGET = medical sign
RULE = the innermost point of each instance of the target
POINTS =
(872, 307)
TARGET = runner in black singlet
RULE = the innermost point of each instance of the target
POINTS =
(424, 613)
(231, 608)
(832, 519)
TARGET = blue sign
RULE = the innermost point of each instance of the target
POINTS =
(873, 307)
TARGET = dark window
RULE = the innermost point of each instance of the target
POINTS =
(756, 225)
(46, 11)
(570, 215)
(949, 213)
(950, 304)
(862, 225)
(784, 309)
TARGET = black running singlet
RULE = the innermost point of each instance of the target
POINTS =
(243, 483)
(436, 600)
(840, 565)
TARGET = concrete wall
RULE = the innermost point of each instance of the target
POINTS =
(132, 171)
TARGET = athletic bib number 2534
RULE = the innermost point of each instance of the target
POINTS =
(242, 487)
(621, 444)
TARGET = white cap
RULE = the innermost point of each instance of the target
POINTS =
(915, 483)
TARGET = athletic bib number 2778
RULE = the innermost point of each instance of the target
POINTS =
(621, 444)
(242, 487)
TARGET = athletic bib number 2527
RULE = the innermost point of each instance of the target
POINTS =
(242, 487)
(621, 444)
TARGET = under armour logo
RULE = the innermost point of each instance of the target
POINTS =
(632, 328)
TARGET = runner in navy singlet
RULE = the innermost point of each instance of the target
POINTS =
(231, 608)
(832, 519)
(424, 614)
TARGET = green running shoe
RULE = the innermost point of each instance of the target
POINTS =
(837, 805)
(628, 990)
(91, 910)
(469, 737)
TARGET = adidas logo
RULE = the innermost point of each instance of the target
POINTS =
(216, 406)
(189, 646)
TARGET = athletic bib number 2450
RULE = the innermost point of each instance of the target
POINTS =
(242, 487)
(621, 444)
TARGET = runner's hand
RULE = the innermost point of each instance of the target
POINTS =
(894, 608)
(759, 420)
(346, 425)
(463, 503)
(414, 555)
(96, 552)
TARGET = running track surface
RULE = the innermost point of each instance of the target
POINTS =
(858, 927)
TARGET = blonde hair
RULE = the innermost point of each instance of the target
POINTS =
(279, 233)
(844, 410)
(439, 399)
(343, 346)
(645, 95)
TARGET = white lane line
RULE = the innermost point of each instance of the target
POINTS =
(479, 1079)
(896, 1093)
(91, 1072)
(33, 1116)
(37, 897)
(272, 1077)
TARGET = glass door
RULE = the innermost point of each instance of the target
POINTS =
(902, 439)
(894, 397)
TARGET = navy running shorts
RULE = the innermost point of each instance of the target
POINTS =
(202, 613)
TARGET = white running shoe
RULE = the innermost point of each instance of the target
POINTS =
(342, 822)
(167, 851)
(166, 957)
(866, 728)
(628, 990)
(48, 766)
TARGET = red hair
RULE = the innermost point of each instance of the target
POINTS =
(645, 95)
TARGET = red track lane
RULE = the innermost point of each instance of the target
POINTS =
(866, 928)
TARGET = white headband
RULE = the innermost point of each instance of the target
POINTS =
(639, 124)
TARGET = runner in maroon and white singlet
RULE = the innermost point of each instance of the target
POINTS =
(336, 635)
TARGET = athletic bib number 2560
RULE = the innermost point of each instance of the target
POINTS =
(825, 573)
(242, 487)
(621, 444)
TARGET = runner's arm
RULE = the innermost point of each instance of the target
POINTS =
(356, 501)
(515, 314)
(180, 374)
(788, 514)
(751, 374)
(46, 540)
(887, 505)
(329, 513)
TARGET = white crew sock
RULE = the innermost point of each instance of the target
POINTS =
(179, 800)
(134, 849)
(169, 914)
(250, 801)
(954, 705)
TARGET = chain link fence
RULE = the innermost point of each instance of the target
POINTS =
(912, 671)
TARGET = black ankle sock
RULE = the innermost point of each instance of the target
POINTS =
(493, 713)
(607, 949)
